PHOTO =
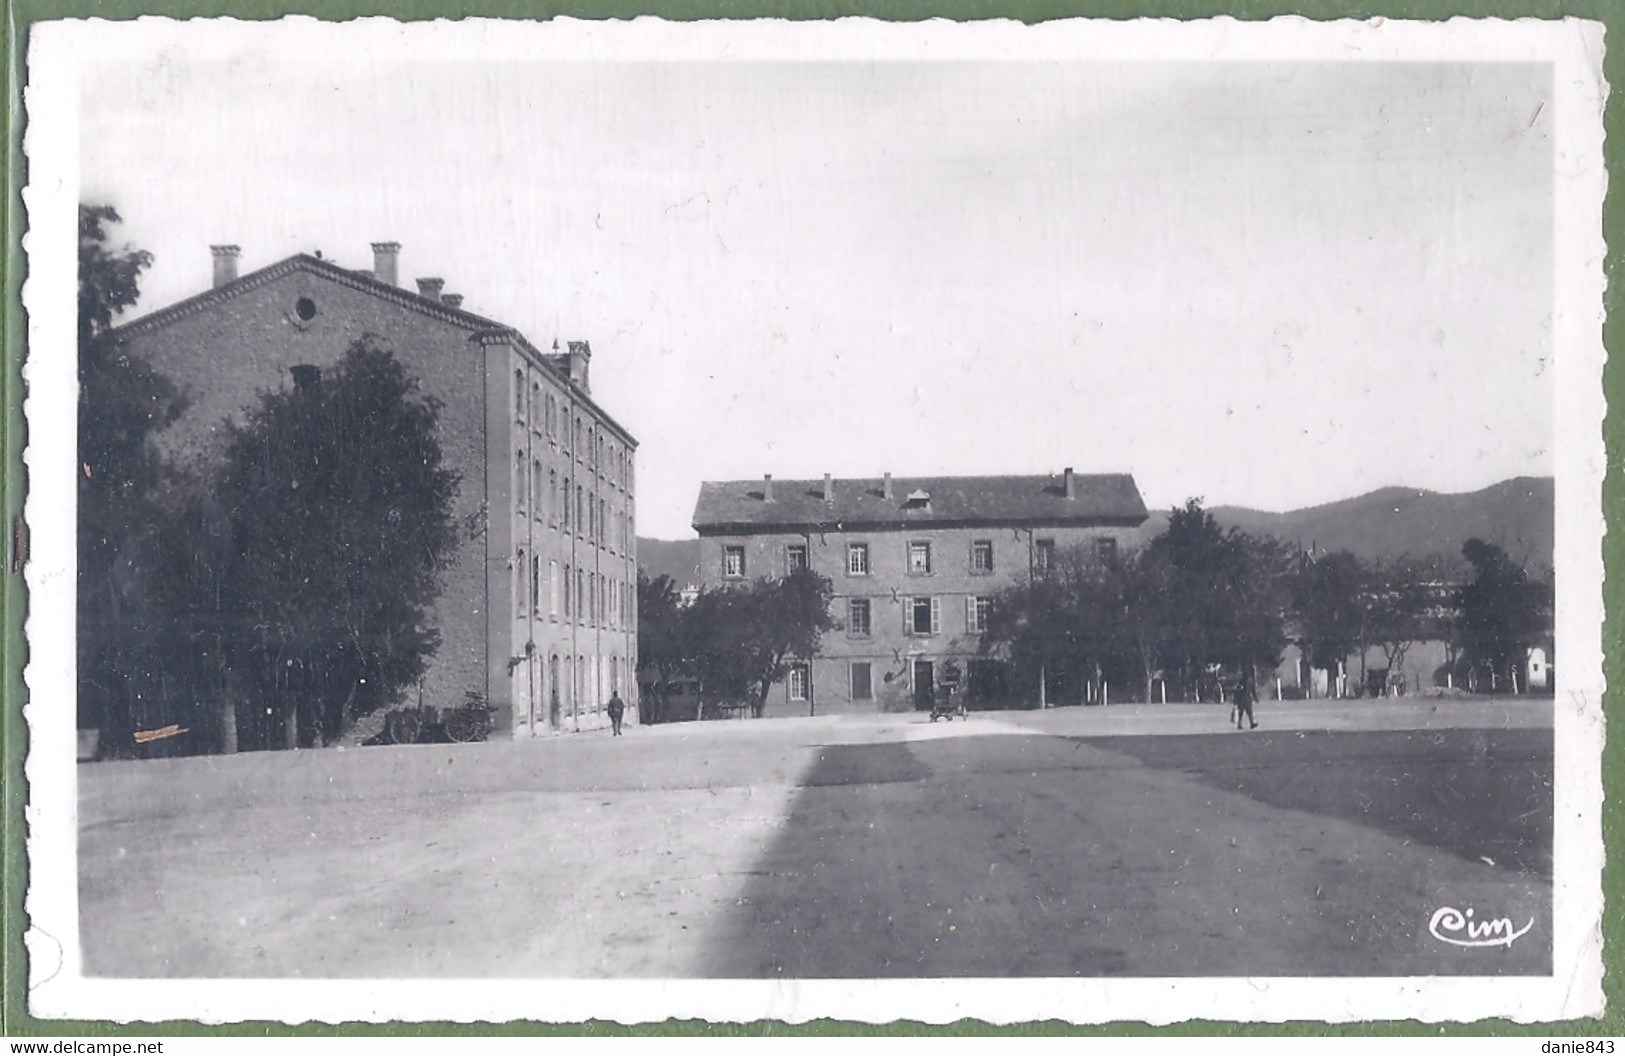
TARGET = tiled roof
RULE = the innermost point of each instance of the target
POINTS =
(477, 325)
(327, 269)
(1104, 498)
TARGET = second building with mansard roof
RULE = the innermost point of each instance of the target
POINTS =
(915, 563)
(538, 609)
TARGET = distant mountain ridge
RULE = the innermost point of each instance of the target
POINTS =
(1517, 515)
(1389, 523)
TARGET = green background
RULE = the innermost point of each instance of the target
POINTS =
(20, 14)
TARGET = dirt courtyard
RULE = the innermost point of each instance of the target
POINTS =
(1133, 840)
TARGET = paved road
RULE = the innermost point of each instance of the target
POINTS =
(1058, 843)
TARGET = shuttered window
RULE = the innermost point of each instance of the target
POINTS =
(923, 616)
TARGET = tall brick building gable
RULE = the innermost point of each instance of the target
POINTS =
(915, 563)
(538, 606)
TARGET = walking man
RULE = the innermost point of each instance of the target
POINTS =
(616, 710)
(1244, 700)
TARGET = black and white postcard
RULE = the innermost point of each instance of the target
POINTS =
(1087, 521)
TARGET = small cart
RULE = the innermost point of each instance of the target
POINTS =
(426, 725)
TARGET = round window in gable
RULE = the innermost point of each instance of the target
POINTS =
(305, 309)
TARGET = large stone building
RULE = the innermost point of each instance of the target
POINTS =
(538, 610)
(915, 564)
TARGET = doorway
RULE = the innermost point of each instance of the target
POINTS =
(924, 685)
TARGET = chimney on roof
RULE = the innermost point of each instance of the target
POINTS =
(1071, 489)
(829, 489)
(886, 488)
(580, 360)
(431, 288)
(386, 259)
(225, 263)
(767, 487)
(454, 300)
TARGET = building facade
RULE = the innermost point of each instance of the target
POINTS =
(915, 564)
(538, 610)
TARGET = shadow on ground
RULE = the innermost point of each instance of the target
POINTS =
(1480, 794)
(1039, 856)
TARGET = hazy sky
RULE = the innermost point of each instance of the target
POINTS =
(1268, 284)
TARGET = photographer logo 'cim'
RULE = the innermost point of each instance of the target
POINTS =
(1453, 926)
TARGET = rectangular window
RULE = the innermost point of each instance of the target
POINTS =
(857, 618)
(569, 594)
(977, 610)
(1043, 556)
(862, 682)
(553, 588)
(733, 562)
(857, 559)
(535, 583)
(800, 682)
(520, 569)
(924, 616)
(795, 557)
(1106, 550)
(981, 557)
(919, 559)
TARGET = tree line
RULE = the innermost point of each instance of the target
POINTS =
(279, 587)
(736, 642)
(1200, 606)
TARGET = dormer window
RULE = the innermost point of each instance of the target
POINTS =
(917, 500)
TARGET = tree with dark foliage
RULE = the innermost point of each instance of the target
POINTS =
(123, 405)
(1224, 595)
(1499, 613)
(663, 645)
(322, 544)
(745, 637)
(1070, 630)
(1329, 594)
(1197, 598)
